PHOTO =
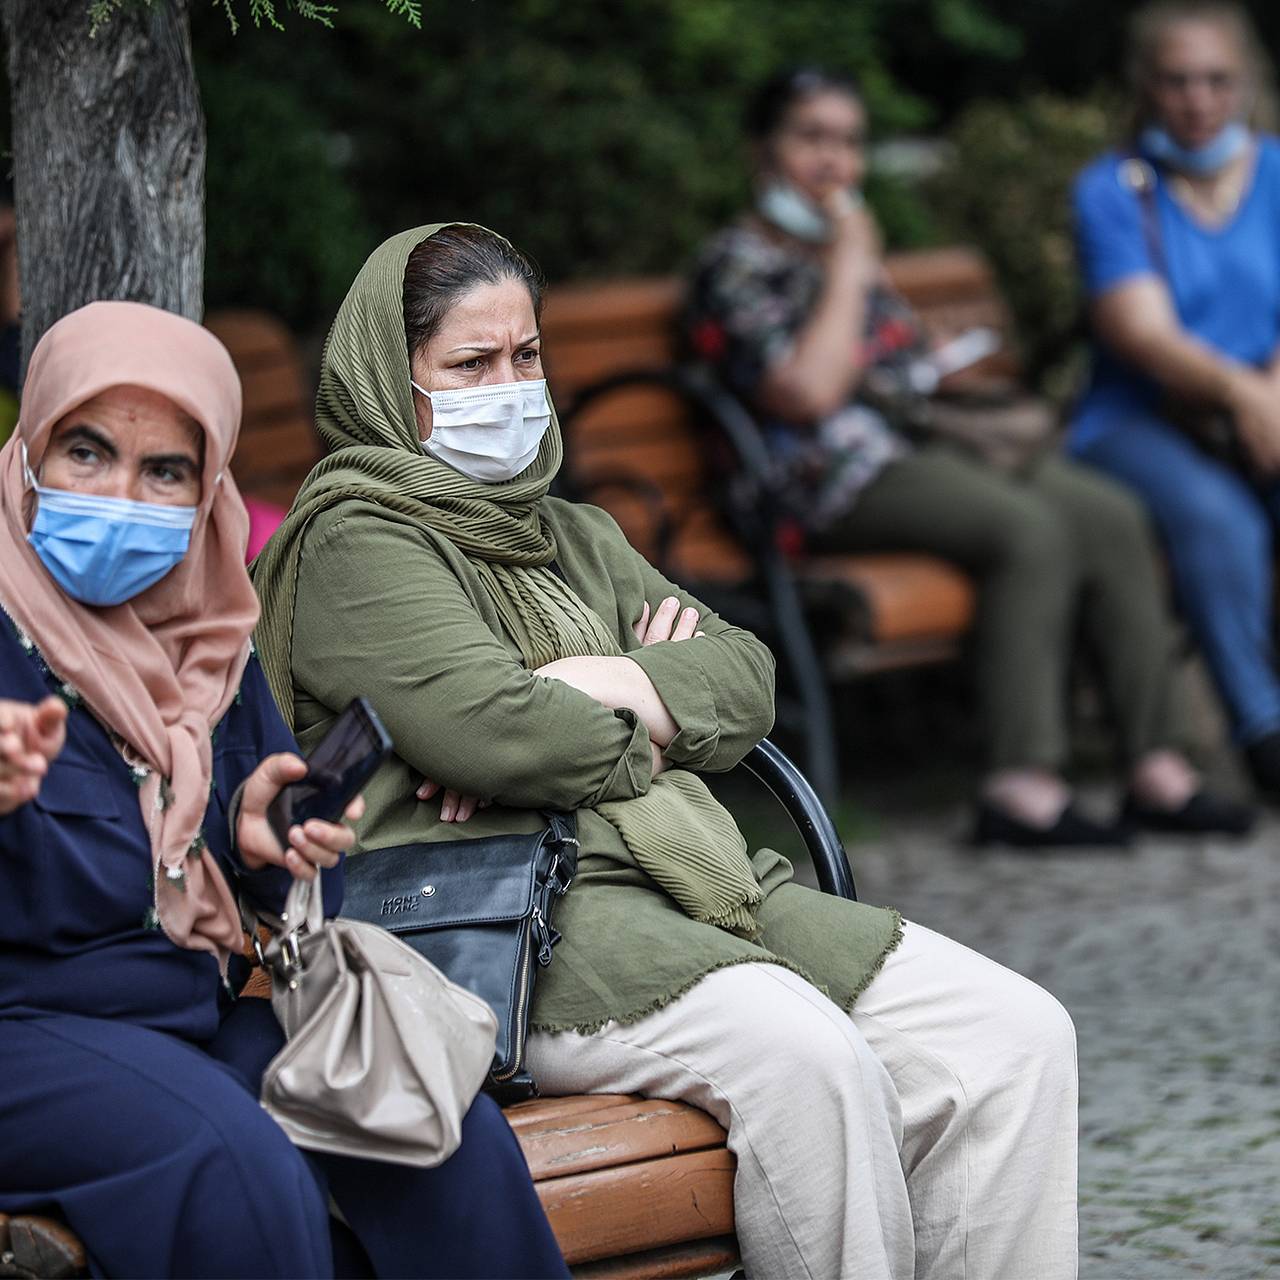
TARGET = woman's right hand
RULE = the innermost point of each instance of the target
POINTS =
(454, 806)
(31, 736)
(1254, 402)
(855, 238)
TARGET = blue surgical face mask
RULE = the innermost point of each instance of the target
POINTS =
(104, 551)
(1158, 144)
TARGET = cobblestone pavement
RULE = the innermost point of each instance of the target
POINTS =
(1168, 958)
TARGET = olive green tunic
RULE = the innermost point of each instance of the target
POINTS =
(391, 610)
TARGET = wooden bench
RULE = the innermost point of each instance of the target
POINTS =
(278, 444)
(642, 438)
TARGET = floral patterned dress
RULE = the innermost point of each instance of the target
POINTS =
(748, 297)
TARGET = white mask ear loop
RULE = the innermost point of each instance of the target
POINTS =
(27, 474)
(423, 390)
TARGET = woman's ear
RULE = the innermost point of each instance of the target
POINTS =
(421, 405)
(422, 411)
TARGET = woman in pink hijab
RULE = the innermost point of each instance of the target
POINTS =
(139, 749)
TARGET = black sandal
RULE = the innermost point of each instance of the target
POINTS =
(1071, 830)
(1204, 814)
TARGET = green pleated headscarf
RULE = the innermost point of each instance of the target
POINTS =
(677, 832)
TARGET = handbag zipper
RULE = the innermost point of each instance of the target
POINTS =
(538, 925)
(518, 1020)
(542, 931)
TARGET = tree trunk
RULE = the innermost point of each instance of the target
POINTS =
(108, 148)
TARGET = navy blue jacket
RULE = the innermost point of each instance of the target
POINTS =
(77, 928)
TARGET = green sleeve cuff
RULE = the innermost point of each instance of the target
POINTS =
(633, 774)
(684, 688)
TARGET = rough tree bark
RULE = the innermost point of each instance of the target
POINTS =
(109, 148)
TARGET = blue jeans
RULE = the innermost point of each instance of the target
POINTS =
(1218, 530)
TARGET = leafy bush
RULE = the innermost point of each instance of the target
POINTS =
(284, 229)
(605, 138)
(1007, 190)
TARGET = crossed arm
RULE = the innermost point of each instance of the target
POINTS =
(614, 683)
(412, 629)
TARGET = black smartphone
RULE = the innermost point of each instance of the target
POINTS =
(342, 762)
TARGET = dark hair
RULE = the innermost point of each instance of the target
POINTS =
(446, 265)
(771, 102)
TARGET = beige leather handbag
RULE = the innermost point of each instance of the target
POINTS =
(384, 1056)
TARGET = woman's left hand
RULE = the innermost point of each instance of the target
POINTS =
(313, 845)
(667, 622)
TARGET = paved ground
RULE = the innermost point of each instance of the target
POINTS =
(1169, 960)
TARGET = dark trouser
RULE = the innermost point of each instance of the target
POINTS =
(1220, 534)
(162, 1161)
(1059, 546)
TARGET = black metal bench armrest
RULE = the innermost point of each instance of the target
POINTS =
(791, 788)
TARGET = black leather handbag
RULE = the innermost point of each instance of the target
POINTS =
(480, 911)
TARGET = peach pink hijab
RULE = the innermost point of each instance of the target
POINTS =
(159, 670)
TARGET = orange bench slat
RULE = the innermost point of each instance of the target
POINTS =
(907, 596)
(674, 1262)
(607, 1138)
(641, 1206)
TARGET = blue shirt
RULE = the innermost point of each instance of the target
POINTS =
(1225, 280)
(77, 930)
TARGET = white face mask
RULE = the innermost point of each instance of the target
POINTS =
(490, 433)
(790, 210)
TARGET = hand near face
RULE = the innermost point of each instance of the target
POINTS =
(31, 736)
(313, 845)
(855, 238)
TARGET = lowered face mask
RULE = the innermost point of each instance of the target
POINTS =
(792, 211)
(789, 211)
(104, 551)
(1158, 144)
(490, 433)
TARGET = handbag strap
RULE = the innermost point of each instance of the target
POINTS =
(1140, 177)
(1217, 432)
(303, 911)
(562, 832)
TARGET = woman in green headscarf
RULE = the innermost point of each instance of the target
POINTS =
(898, 1105)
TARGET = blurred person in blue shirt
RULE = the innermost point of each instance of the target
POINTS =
(1179, 244)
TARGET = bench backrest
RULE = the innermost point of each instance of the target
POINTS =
(592, 330)
(278, 442)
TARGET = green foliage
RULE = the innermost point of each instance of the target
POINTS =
(604, 137)
(284, 229)
(261, 12)
(1008, 191)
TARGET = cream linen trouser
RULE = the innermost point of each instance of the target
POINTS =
(932, 1133)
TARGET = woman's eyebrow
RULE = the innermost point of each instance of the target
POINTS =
(489, 350)
(90, 435)
(170, 460)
